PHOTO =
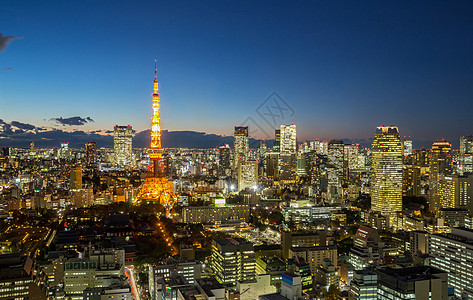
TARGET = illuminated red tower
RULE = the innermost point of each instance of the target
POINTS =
(156, 187)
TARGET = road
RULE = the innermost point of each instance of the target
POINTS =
(131, 278)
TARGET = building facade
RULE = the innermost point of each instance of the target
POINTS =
(386, 184)
(122, 143)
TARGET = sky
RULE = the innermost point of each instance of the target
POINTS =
(338, 69)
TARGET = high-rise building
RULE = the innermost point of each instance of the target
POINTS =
(277, 140)
(455, 191)
(288, 153)
(440, 164)
(386, 168)
(406, 147)
(272, 165)
(241, 142)
(224, 161)
(466, 154)
(91, 152)
(336, 157)
(232, 260)
(64, 151)
(452, 253)
(76, 178)
(411, 181)
(122, 142)
(247, 174)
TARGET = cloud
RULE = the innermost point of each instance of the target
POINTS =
(73, 121)
(25, 126)
(5, 40)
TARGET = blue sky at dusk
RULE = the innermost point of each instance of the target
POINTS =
(345, 67)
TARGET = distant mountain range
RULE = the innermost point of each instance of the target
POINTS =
(20, 135)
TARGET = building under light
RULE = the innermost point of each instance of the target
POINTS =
(122, 141)
(247, 174)
(386, 185)
(232, 260)
(440, 164)
(91, 152)
(466, 154)
(288, 153)
(241, 143)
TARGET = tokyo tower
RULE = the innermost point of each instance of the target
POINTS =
(156, 188)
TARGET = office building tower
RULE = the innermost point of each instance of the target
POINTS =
(64, 151)
(122, 142)
(386, 169)
(336, 157)
(247, 174)
(406, 147)
(288, 139)
(466, 154)
(76, 178)
(312, 166)
(351, 161)
(411, 178)
(91, 152)
(440, 164)
(224, 160)
(241, 145)
(412, 283)
(272, 165)
(277, 140)
(288, 153)
(232, 260)
(452, 253)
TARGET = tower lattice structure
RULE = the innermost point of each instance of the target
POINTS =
(156, 188)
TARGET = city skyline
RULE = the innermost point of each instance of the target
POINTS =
(381, 66)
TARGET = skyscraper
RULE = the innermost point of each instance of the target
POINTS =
(76, 178)
(407, 147)
(241, 144)
(288, 152)
(440, 164)
(122, 141)
(386, 180)
(91, 152)
(277, 140)
(466, 154)
(247, 174)
(223, 160)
